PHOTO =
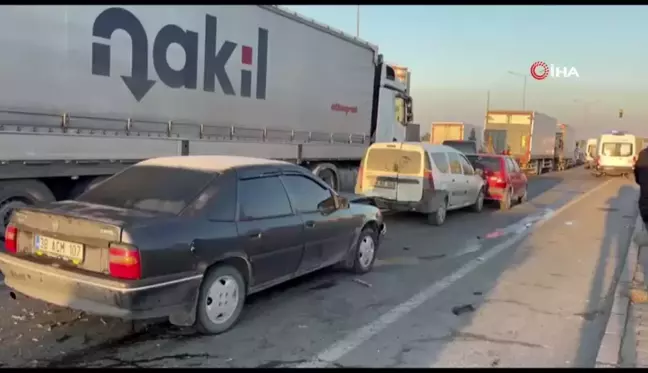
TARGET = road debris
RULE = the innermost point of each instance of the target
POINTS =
(494, 234)
(63, 338)
(638, 296)
(364, 283)
(458, 310)
(18, 317)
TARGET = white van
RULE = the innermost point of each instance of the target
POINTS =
(414, 176)
(617, 153)
(590, 153)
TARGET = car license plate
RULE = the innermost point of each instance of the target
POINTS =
(59, 249)
(385, 184)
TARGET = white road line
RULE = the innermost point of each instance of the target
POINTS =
(342, 347)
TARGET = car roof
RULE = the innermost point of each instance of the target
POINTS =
(490, 155)
(212, 163)
(433, 147)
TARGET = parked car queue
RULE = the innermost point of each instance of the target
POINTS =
(435, 179)
(189, 238)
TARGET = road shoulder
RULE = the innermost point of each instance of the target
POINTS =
(625, 344)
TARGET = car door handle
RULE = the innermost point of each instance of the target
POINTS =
(255, 234)
(309, 224)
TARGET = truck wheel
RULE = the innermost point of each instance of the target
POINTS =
(328, 173)
(19, 193)
(85, 185)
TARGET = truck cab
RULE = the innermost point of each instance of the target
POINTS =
(590, 152)
(392, 109)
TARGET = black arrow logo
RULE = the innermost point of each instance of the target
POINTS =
(109, 21)
(138, 83)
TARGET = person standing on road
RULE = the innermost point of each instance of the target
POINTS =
(641, 177)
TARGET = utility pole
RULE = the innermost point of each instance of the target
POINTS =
(487, 101)
(586, 109)
(358, 22)
(524, 86)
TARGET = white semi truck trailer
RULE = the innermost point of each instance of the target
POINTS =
(88, 90)
(528, 136)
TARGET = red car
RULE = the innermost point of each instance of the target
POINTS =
(507, 184)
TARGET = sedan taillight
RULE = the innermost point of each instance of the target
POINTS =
(125, 263)
(11, 236)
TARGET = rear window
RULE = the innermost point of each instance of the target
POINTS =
(150, 188)
(487, 163)
(591, 149)
(394, 160)
(617, 149)
(466, 147)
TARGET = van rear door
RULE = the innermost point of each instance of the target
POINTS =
(617, 151)
(393, 171)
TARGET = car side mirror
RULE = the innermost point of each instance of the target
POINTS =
(333, 203)
(341, 202)
(479, 172)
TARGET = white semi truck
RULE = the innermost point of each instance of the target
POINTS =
(88, 90)
(528, 136)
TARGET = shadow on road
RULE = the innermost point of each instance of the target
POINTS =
(631, 354)
(470, 304)
(615, 245)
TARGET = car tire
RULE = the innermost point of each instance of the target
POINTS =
(438, 217)
(507, 200)
(524, 197)
(214, 313)
(478, 206)
(365, 251)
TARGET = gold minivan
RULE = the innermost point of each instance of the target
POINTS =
(414, 176)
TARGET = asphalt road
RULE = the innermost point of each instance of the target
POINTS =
(525, 287)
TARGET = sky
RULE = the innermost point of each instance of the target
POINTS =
(458, 54)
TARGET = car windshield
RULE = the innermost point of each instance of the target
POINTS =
(617, 149)
(486, 163)
(466, 147)
(150, 188)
